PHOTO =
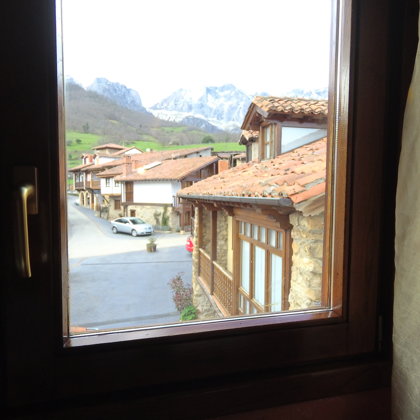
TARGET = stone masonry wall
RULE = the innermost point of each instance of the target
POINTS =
(306, 276)
(152, 214)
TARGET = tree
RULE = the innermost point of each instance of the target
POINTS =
(207, 139)
(86, 128)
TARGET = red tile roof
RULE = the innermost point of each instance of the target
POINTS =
(109, 173)
(109, 146)
(284, 109)
(141, 159)
(292, 105)
(297, 175)
(166, 170)
(80, 167)
(105, 165)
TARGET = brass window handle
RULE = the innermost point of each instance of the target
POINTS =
(26, 203)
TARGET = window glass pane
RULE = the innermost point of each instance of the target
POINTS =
(272, 238)
(280, 240)
(267, 151)
(248, 230)
(259, 274)
(262, 234)
(292, 137)
(135, 181)
(255, 232)
(245, 257)
(276, 282)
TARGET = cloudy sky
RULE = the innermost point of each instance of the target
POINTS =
(159, 46)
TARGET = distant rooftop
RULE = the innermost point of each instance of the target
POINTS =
(167, 170)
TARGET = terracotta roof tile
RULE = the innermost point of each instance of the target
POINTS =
(104, 165)
(116, 170)
(292, 105)
(109, 146)
(175, 169)
(297, 175)
(80, 167)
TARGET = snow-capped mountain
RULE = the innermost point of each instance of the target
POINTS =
(222, 106)
(118, 93)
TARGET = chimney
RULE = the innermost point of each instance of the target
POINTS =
(127, 169)
(222, 165)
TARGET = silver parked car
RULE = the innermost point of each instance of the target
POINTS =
(131, 225)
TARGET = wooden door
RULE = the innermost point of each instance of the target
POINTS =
(129, 192)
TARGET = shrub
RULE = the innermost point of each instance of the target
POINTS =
(189, 313)
(181, 294)
(207, 139)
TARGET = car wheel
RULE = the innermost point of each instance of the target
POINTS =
(114, 229)
(134, 232)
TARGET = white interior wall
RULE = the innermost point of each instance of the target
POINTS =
(406, 332)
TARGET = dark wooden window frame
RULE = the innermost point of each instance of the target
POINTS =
(133, 371)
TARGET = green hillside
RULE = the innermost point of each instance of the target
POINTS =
(78, 143)
(93, 114)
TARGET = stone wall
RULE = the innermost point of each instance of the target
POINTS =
(307, 245)
(152, 214)
(112, 212)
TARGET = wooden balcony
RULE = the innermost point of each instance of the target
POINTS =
(79, 185)
(94, 185)
(218, 282)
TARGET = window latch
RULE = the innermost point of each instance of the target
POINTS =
(26, 202)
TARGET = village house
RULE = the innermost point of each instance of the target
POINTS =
(85, 179)
(111, 183)
(149, 191)
(259, 226)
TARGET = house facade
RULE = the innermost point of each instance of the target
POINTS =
(85, 176)
(259, 227)
(110, 181)
(150, 191)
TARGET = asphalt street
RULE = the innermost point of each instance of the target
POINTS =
(114, 282)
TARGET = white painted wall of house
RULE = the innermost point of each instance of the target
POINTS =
(103, 159)
(132, 152)
(111, 189)
(198, 154)
(160, 192)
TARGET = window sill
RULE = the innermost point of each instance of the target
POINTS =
(222, 327)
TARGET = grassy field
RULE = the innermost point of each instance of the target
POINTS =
(78, 143)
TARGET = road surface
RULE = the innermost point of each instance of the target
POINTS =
(114, 282)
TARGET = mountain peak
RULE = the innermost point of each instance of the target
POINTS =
(118, 93)
(222, 106)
